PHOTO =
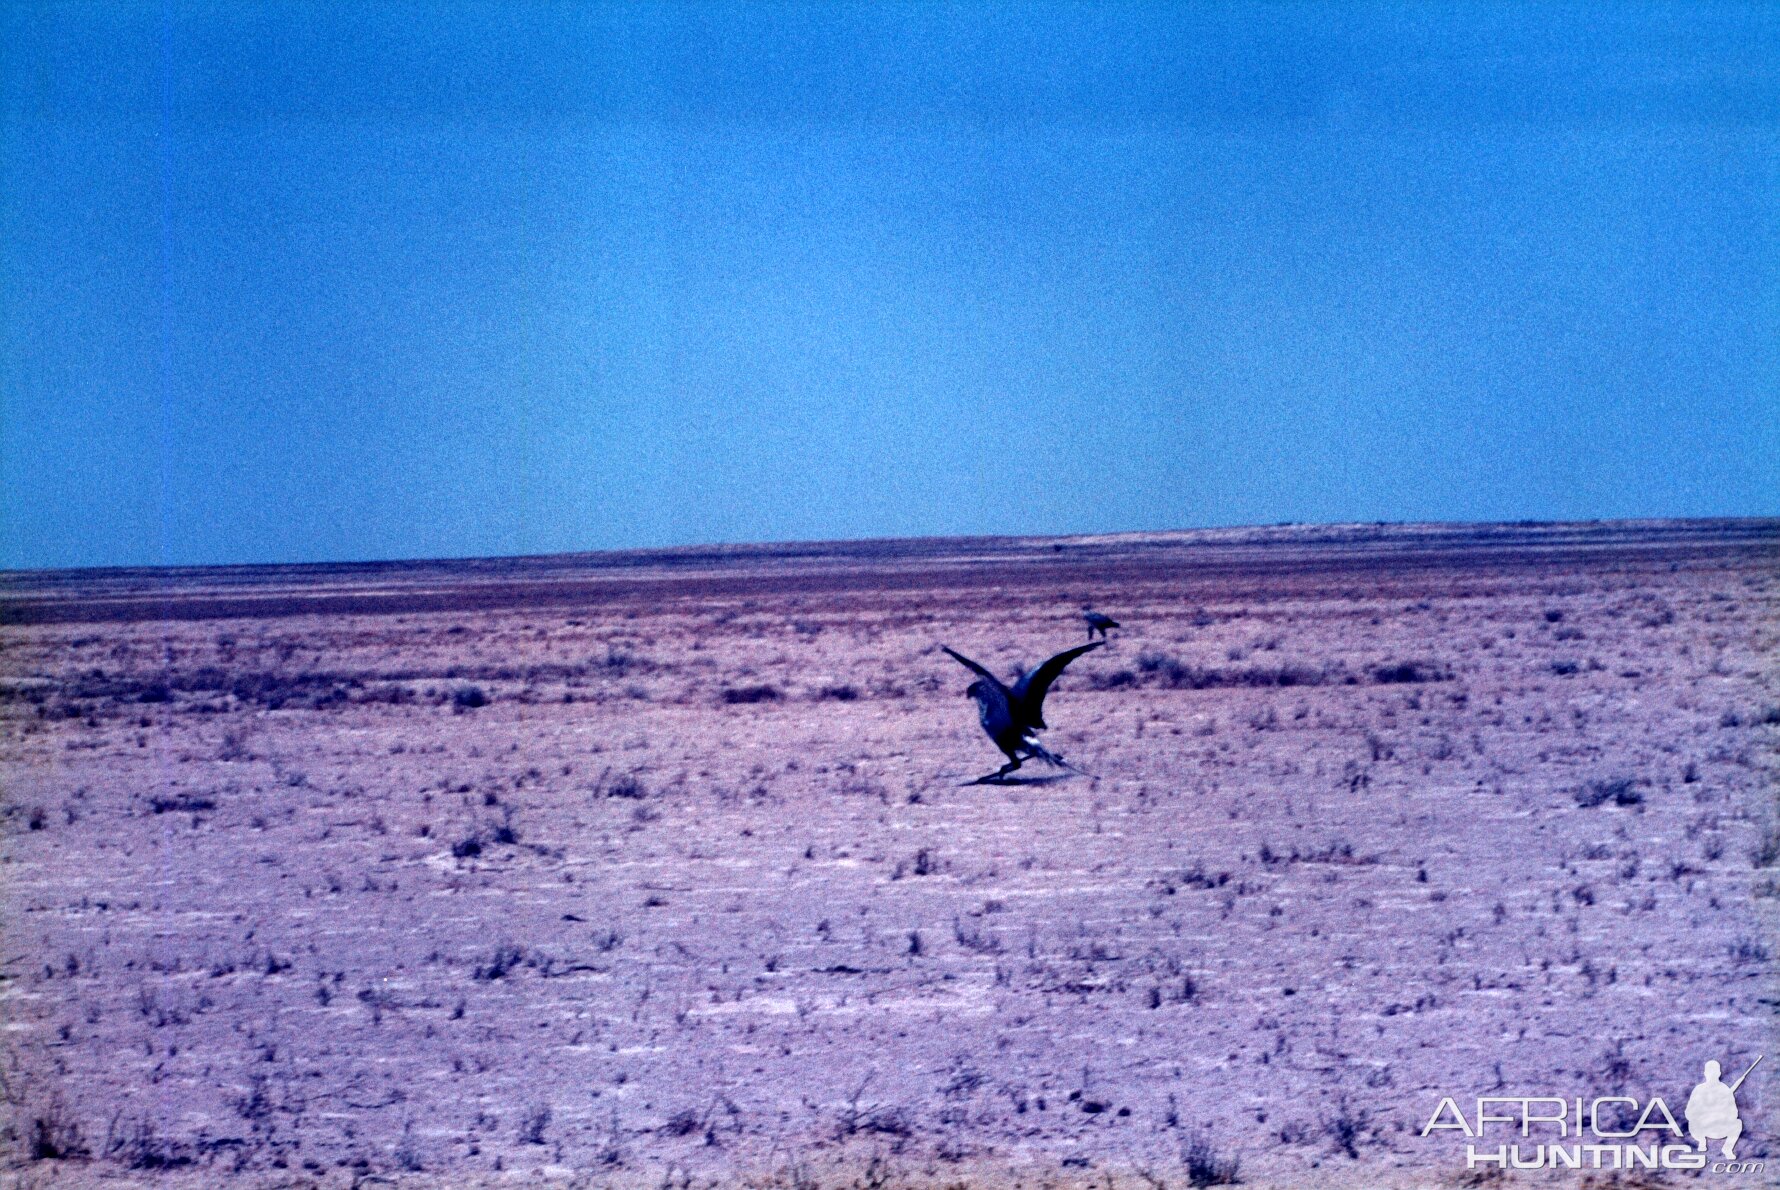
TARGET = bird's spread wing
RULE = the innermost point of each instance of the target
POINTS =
(967, 663)
(1029, 691)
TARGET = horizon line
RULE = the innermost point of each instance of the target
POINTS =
(744, 548)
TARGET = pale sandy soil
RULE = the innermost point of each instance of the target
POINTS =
(281, 909)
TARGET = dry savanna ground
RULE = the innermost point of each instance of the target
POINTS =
(659, 869)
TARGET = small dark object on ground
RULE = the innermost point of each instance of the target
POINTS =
(1621, 791)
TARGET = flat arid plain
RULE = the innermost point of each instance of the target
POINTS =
(660, 869)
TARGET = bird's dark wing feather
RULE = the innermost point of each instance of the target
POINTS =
(1029, 691)
(967, 663)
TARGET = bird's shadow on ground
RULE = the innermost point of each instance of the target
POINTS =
(1050, 780)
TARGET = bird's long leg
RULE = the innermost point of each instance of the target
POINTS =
(1012, 764)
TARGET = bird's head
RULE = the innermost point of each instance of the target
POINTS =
(975, 690)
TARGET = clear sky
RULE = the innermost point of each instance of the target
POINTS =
(341, 281)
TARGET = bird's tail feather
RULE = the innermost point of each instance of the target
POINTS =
(1040, 752)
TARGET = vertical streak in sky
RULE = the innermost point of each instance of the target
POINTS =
(168, 438)
(168, 444)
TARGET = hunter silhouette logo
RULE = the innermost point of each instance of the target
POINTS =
(1606, 1132)
(1712, 1110)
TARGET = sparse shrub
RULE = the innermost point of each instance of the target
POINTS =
(1408, 671)
(1169, 671)
(256, 1104)
(531, 1129)
(183, 803)
(975, 940)
(1621, 791)
(1347, 1127)
(137, 1146)
(467, 848)
(1748, 950)
(1204, 1166)
(683, 1123)
(842, 693)
(468, 698)
(377, 1000)
(1195, 877)
(865, 787)
(1767, 849)
(888, 1122)
(619, 661)
(1616, 1068)
(505, 958)
(1338, 851)
(966, 1080)
(406, 1155)
(55, 1137)
(1565, 668)
(747, 694)
(627, 785)
(610, 1149)
(273, 691)
(1093, 952)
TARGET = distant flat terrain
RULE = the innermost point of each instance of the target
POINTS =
(659, 867)
(32, 597)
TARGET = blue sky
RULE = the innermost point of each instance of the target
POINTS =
(329, 282)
